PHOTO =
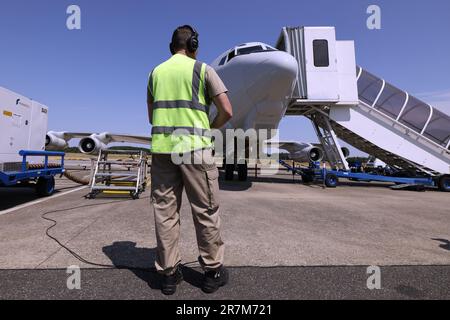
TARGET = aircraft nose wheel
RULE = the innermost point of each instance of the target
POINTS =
(243, 172)
(229, 172)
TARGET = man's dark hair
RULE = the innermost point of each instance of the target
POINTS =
(180, 38)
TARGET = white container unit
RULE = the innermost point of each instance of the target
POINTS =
(23, 126)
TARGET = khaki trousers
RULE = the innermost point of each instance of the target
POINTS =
(201, 184)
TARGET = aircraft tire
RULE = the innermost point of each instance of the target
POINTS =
(242, 172)
(229, 172)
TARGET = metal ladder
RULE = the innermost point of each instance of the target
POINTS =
(328, 140)
(122, 176)
(328, 133)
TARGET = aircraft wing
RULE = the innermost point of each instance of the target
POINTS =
(108, 137)
(74, 135)
(291, 147)
(91, 142)
(128, 138)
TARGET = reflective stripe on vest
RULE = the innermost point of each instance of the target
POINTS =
(180, 102)
(181, 131)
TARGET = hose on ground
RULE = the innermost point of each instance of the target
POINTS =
(84, 181)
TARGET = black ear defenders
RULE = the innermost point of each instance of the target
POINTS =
(192, 43)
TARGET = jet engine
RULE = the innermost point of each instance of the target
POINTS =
(346, 152)
(54, 141)
(312, 153)
(93, 144)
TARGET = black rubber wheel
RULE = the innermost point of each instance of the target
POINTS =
(307, 178)
(135, 195)
(444, 183)
(242, 172)
(45, 187)
(331, 181)
(229, 172)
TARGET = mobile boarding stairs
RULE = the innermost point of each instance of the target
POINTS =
(345, 102)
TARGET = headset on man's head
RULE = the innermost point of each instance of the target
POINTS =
(192, 43)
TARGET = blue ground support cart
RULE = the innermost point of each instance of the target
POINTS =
(330, 178)
(43, 175)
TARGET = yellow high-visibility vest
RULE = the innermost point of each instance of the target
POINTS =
(180, 106)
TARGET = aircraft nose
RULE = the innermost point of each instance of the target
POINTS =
(281, 74)
(276, 75)
(284, 65)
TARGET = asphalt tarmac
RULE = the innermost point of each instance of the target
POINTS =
(285, 240)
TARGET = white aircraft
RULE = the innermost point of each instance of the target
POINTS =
(303, 152)
(259, 79)
(375, 164)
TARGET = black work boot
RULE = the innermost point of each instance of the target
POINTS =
(170, 283)
(215, 279)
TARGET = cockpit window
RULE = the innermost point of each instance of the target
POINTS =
(222, 62)
(249, 50)
(231, 55)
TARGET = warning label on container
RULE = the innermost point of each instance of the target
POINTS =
(7, 113)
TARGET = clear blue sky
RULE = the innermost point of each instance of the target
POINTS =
(95, 79)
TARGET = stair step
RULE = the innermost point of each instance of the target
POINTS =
(116, 174)
(125, 163)
(113, 188)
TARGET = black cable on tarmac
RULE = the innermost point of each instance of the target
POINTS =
(82, 259)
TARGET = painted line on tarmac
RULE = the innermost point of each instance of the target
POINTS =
(41, 200)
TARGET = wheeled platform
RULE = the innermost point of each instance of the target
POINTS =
(330, 178)
(42, 175)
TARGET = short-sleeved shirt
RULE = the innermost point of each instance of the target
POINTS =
(214, 85)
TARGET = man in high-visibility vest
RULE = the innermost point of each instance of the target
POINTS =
(179, 94)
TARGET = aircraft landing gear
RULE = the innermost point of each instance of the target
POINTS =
(242, 170)
(240, 166)
(229, 172)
